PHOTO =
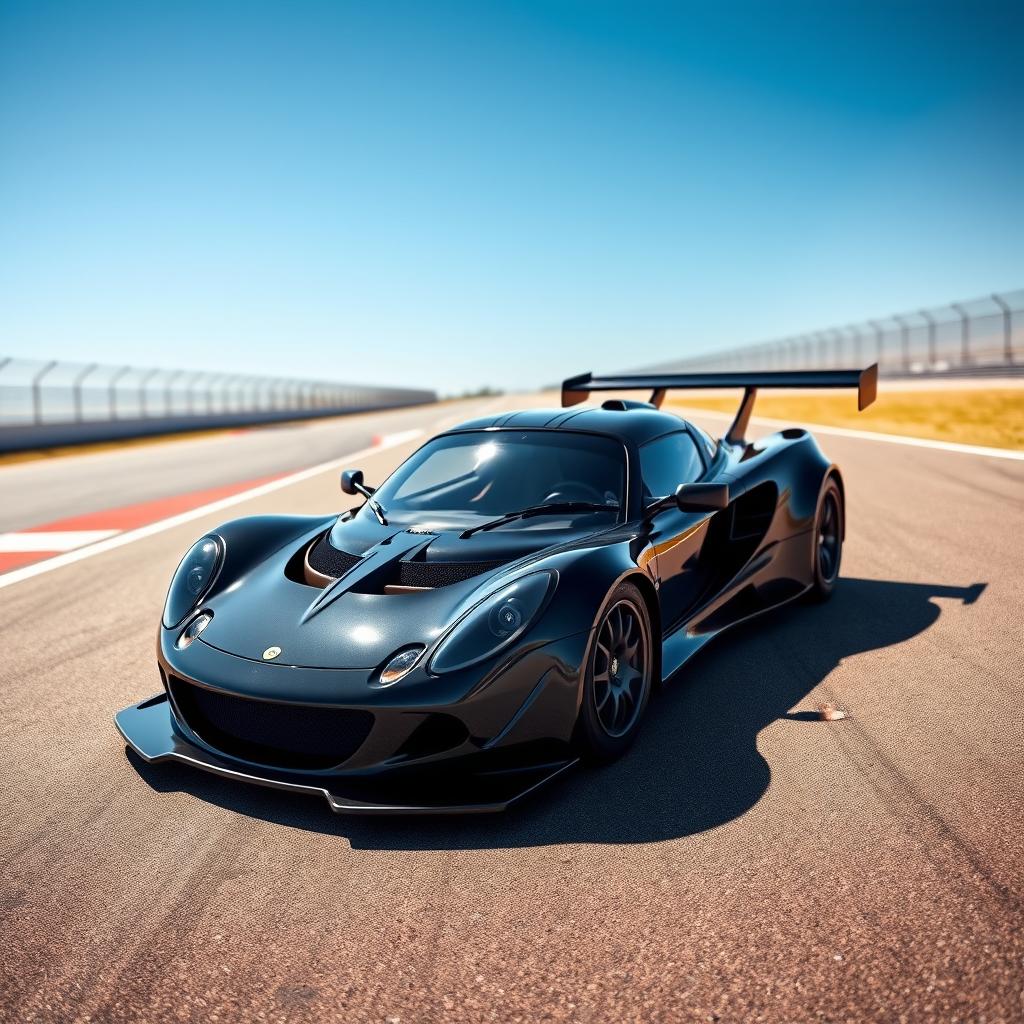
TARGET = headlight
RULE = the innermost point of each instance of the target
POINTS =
(193, 629)
(494, 623)
(192, 579)
(399, 666)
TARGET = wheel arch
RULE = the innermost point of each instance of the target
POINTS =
(638, 578)
(834, 474)
(649, 594)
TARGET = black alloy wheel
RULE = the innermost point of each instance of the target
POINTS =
(827, 542)
(619, 676)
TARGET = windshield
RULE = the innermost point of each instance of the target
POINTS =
(491, 473)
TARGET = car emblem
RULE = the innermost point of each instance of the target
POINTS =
(271, 653)
(614, 666)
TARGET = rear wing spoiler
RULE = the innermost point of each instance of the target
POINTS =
(576, 389)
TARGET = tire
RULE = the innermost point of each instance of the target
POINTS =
(827, 542)
(618, 679)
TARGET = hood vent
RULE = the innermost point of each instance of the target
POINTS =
(428, 575)
(325, 563)
(330, 561)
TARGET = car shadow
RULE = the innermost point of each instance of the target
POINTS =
(694, 765)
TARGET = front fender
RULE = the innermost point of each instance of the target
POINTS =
(250, 540)
(586, 579)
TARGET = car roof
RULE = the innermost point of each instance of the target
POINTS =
(637, 422)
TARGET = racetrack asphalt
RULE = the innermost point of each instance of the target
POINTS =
(744, 862)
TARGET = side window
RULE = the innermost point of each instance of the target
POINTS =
(710, 444)
(667, 462)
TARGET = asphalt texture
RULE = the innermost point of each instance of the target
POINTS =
(744, 862)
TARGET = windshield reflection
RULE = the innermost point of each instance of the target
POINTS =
(460, 478)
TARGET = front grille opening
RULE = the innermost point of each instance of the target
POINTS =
(434, 735)
(280, 735)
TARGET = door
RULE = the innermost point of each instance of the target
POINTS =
(677, 537)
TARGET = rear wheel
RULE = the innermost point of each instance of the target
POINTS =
(827, 550)
(618, 679)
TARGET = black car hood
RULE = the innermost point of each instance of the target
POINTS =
(358, 534)
(352, 622)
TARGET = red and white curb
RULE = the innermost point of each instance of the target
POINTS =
(390, 440)
(33, 545)
(65, 541)
(50, 540)
(69, 535)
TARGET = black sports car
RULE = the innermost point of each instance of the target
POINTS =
(502, 606)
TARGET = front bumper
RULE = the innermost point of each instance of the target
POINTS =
(149, 729)
(476, 740)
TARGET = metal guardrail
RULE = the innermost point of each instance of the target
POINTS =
(34, 393)
(978, 336)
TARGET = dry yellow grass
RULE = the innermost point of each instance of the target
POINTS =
(990, 416)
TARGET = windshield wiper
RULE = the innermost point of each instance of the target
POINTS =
(552, 508)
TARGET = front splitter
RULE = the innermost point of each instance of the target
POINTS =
(148, 729)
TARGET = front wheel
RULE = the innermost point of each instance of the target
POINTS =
(618, 678)
(827, 550)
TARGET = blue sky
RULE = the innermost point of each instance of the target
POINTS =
(458, 194)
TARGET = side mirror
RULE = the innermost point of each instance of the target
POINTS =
(702, 497)
(352, 481)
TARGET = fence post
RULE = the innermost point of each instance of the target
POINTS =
(190, 395)
(146, 378)
(5, 361)
(228, 383)
(877, 328)
(37, 391)
(965, 333)
(1007, 330)
(930, 320)
(76, 390)
(904, 342)
(210, 381)
(168, 401)
(250, 394)
(838, 347)
(856, 344)
(112, 391)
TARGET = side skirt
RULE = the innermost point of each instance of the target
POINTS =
(682, 644)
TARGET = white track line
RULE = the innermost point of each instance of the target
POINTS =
(389, 440)
(867, 435)
(129, 536)
(52, 540)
